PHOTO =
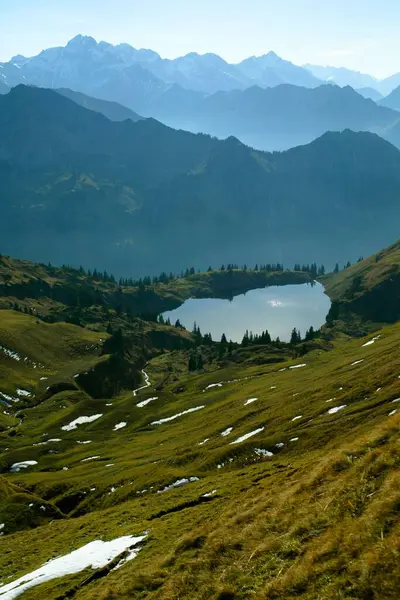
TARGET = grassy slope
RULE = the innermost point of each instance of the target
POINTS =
(317, 520)
(373, 271)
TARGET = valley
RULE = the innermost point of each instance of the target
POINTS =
(312, 426)
(199, 301)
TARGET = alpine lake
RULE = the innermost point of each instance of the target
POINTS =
(277, 308)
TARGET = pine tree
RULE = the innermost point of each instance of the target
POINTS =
(336, 269)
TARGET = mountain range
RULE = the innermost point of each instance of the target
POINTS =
(139, 197)
(266, 102)
(92, 67)
(275, 118)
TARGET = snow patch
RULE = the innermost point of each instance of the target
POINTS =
(80, 421)
(212, 385)
(96, 555)
(120, 425)
(203, 442)
(245, 437)
(48, 442)
(90, 458)
(250, 401)
(333, 411)
(16, 467)
(298, 366)
(185, 412)
(146, 384)
(393, 412)
(371, 341)
(263, 453)
(146, 402)
(209, 494)
(179, 483)
(294, 439)
(227, 432)
(297, 418)
(357, 362)
(279, 445)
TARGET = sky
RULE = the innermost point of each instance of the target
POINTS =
(358, 34)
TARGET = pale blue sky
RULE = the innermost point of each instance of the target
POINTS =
(359, 34)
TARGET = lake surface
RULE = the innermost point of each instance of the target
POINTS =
(276, 308)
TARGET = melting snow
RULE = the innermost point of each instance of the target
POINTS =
(209, 494)
(168, 419)
(298, 366)
(212, 385)
(85, 442)
(146, 402)
(16, 467)
(179, 483)
(371, 341)
(263, 453)
(9, 398)
(203, 442)
(48, 442)
(248, 435)
(393, 413)
(397, 400)
(146, 385)
(333, 411)
(294, 440)
(297, 418)
(250, 401)
(110, 465)
(357, 362)
(90, 458)
(279, 445)
(120, 425)
(80, 421)
(227, 431)
(96, 555)
(11, 353)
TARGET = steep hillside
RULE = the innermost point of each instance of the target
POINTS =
(369, 289)
(111, 110)
(77, 188)
(235, 481)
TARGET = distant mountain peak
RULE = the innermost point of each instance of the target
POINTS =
(82, 41)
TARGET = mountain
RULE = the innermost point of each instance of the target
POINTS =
(4, 88)
(132, 77)
(274, 118)
(111, 110)
(270, 470)
(271, 70)
(342, 76)
(388, 85)
(77, 188)
(370, 93)
(392, 100)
